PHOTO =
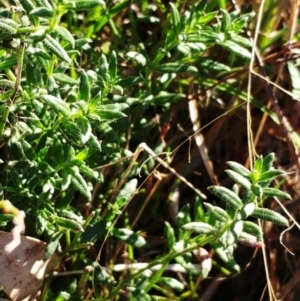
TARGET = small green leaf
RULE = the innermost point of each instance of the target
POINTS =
(88, 171)
(273, 192)
(25, 21)
(171, 39)
(268, 162)
(68, 224)
(69, 215)
(171, 283)
(227, 196)
(100, 276)
(176, 68)
(58, 151)
(56, 48)
(27, 5)
(207, 17)
(42, 153)
(79, 182)
(232, 212)
(78, 5)
(94, 232)
(8, 26)
(94, 144)
(80, 44)
(66, 79)
(198, 208)
(239, 168)
(53, 244)
(241, 21)
(84, 92)
(257, 190)
(66, 180)
(138, 57)
(226, 256)
(57, 104)
(213, 65)
(205, 36)
(184, 216)
(245, 42)
(270, 216)
(45, 3)
(258, 165)
(53, 87)
(175, 19)
(28, 150)
(236, 49)
(235, 188)
(236, 228)
(199, 227)
(40, 223)
(230, 236)
(270, 175)
(43, 12)
(129, 81)
(23, 127)
(9, 22)
(46, 168)
(113, 65)
(65, 34)
(81, 156)
(138, 294)
(239, 179)
(129, 237)
(254, 229)
(40, 53)
(70, 153)
(109, 111)
(103, 70)
(81, 106)
(9, 62)
(247, 210)
(217, 212)
(126, 193)
(225, 21)
(169, 235)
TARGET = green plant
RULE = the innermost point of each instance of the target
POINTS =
(230, 226)
(221, 228)
(70, 114)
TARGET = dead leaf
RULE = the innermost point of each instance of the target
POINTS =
(24, 267)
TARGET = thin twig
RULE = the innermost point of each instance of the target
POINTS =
(18, 71)
(251, 145)
(194, 116)
(145, 147)
(281, 235)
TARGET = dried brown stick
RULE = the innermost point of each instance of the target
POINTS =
(283, 121)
